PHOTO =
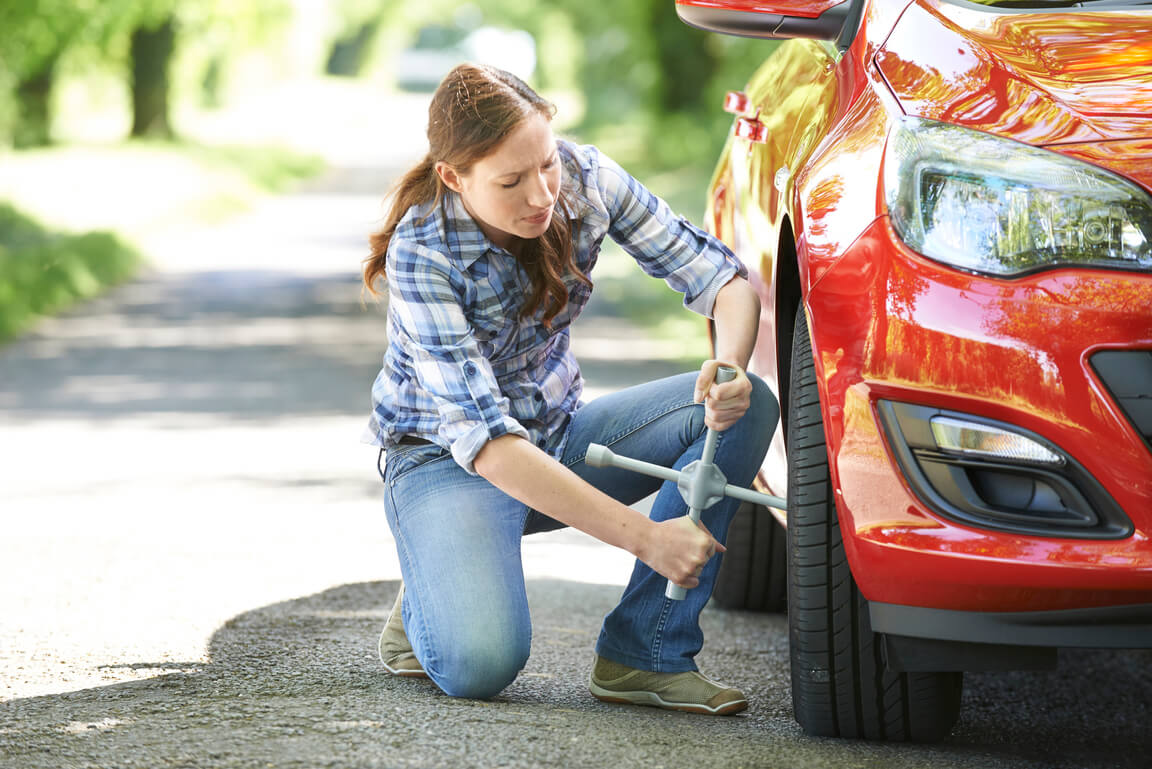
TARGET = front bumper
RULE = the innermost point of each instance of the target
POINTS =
(890, 326)
(1109, 627)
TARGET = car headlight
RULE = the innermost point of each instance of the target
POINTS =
(993, 205)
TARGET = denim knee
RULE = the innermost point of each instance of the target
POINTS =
(763, 408)
(479, 668)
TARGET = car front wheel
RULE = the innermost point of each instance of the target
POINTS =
(840, 685)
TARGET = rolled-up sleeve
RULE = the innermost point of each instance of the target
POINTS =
(426, 297)
(665, 245)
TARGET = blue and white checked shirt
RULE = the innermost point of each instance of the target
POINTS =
(462, 367)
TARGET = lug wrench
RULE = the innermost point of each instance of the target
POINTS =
(701, 483)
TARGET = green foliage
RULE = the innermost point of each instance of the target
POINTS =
(42, 271)
(41, 40)
(666, 120)
(38, 32)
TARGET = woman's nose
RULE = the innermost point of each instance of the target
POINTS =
(539, 192)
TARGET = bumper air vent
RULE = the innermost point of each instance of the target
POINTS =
(1128, 376)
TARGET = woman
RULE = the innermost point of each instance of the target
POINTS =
(486, 253)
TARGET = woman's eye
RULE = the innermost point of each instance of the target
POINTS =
(509, 185)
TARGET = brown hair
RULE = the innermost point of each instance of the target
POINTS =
(472, 111)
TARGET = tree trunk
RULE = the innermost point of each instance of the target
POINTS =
(33, 124)
(152, 48)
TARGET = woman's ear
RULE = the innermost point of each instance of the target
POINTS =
(449, 176)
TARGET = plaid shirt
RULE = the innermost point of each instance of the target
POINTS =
(462, 367)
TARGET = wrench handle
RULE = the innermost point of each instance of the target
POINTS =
(674, 591)
(723, 374)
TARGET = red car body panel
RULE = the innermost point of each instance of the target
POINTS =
(888, 323)
(1040, 78)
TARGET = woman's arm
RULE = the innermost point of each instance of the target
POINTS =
(737, 318)
(676, 548)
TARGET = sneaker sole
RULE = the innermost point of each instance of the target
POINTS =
(651, 699)
(404, 673)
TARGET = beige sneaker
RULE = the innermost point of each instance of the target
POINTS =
(690, 692)
(395, 651)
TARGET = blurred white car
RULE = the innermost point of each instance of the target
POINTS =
(437, 50)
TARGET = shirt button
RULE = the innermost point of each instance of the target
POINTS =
(541, 442)
(536, 396)
(469, 368)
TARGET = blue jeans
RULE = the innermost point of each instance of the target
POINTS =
(458, 538)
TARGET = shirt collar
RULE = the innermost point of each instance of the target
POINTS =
(574, 183)
(463, 234)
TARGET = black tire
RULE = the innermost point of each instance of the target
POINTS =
(753, 572)
(840, 686)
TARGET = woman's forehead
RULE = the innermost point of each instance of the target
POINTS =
(530, 144)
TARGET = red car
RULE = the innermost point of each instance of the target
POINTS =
(946, 209)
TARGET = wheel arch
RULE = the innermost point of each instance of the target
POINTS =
(788, 296)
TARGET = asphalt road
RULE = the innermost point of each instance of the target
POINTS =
(195, 566)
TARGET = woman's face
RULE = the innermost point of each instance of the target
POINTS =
(511, 193)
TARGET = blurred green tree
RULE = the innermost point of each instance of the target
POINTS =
(39, 34)
(36, 35)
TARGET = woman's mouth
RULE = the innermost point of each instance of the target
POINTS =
(539, 218)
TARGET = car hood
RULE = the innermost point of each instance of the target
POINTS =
(1043, 78)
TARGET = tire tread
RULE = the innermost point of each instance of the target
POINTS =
(840, 684)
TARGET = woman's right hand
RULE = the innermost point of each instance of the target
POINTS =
(679, 549)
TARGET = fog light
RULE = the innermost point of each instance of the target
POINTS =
(995, 475)
(975, 439)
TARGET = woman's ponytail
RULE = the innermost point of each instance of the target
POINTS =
(420, 185)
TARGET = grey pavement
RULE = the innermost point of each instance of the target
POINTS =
(194, 563)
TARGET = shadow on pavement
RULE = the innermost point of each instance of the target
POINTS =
(235, 345)
(297, 684)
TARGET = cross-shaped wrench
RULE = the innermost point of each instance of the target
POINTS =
(701, 483)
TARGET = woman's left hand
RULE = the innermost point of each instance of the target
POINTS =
(723, 403)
